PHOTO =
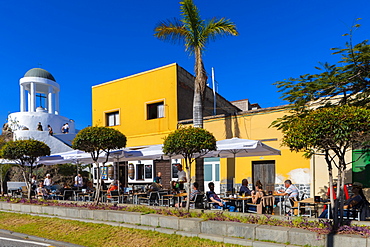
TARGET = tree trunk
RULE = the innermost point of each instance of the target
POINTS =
(341, 177)
(332, 211)
(199, 87)
(188, 177)
(98, 185)
(197, 111)
(199, 173)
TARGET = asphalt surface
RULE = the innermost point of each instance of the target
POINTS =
(15, 239)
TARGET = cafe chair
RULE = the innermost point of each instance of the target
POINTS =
(267, 204)
(197, 202)
(68, 195)
(152, 199)
(113, 196)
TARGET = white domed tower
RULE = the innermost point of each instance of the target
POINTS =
(39, 103)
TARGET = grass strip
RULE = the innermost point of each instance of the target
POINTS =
(90, 234)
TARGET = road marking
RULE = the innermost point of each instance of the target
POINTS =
(25, 241)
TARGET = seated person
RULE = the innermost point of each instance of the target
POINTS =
(217, 202)
(354, 202)
(155, 187)
(90, 186)
(64, 188)
(192, 195)
(112, 186)
(244, 190)
(258, 194)
(292, 192)
(42, 192)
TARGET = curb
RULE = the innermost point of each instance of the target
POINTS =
(40, 239)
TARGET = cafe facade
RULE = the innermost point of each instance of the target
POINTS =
(149, 105)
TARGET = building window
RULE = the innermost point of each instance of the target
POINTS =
(112, 118)
(155, 110)
(140, 172)
(148, 171)
(175, 170)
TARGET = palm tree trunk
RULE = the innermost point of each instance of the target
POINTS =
(199, 87)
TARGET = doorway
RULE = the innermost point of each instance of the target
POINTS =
(265, 172)
(212, 173)
(164, 167)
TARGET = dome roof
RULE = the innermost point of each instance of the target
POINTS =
(37, 72)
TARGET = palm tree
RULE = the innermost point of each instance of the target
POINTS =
(195, 33)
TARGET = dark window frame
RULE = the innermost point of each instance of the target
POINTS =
(152, 110)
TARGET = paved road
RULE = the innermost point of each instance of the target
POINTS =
(12, 239)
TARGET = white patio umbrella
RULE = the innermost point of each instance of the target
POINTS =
(237, 147)
(150, 152)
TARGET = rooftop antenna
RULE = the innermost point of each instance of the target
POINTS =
(214, 91)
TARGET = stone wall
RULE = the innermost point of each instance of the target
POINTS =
(222, 231)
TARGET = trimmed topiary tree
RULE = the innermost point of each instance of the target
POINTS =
(98, 141)
(191, 143)
(25, 153)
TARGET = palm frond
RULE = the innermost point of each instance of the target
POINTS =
(173, 31)
(216, 28)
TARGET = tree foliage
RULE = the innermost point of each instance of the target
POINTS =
(191, 143)
(96, 141)
(195, 33)
(348, 80)
(330, 132)
(188, 141)
(336, 128)
(25, 152)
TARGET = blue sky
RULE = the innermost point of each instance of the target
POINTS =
(85, 43)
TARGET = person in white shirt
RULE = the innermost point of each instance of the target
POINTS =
(292, 192)
(79, 180)
(181, 174)
(48, 181)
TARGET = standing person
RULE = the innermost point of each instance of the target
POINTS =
(66, 128)
(63, 129)
(79, 182)
(244, 190)
(33, 182)
(158, 179)
(217, 202)
(48, 181)
(50, 129)
(181, 177)
(39, 126)
(292, 192)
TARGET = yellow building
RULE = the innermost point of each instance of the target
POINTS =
(146, 107)
(149, 105)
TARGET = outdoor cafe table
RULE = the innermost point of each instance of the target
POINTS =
(281, 197)
(316, 205)
(179, 196)
(238, 199)
(84, 195)
(136, 195)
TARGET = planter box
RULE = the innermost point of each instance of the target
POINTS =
(272, 233)
(214, 227)
(190, 225)
(169, 222)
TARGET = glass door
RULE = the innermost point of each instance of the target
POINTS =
(212, 173)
